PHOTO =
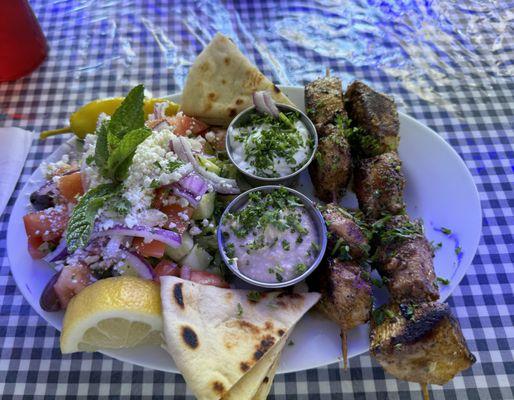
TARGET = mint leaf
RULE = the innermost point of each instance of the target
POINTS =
(121, 157)
(101, 149)
(127, 117)
(83, 216)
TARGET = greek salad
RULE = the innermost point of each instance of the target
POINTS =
(144, 199)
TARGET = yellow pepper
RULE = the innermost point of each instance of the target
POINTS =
(83, 121)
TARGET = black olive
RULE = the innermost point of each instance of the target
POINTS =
(41, 201)
(49, 300)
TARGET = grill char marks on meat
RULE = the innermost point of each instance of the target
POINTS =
(331, 168)
(376, 116)
(378, 184)
(405, 258)
(427, 346)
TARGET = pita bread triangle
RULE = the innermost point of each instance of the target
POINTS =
(216, 336)
(252, 382)
(267, 382)
(221, 83)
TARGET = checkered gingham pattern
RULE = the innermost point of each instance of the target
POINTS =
(448, 63)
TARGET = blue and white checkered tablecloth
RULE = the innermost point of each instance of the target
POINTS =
(448, 63)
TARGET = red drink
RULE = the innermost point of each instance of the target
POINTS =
(22, 43)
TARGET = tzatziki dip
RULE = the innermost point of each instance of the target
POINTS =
(270, 147)
(271, 238)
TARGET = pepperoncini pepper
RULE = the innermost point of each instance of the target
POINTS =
(83, 121)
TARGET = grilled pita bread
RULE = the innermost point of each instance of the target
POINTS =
(267, 382)
(221, 83)
(216, 336)
(251, 383)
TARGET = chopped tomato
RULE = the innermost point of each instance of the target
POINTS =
(47, 224)
(178, 217)
(186, 126)
(71, 281)
(34, 244)
(166, 268)
(70, 186)
(206, 278)
(150, 249)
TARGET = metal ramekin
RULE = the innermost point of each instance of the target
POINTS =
(240, 201)
(256, 180)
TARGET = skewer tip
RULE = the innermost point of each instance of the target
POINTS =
(424, 390)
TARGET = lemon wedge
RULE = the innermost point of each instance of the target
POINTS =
(113, 313)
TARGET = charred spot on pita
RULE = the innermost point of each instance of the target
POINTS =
(223, 81)
(212, 96)
(265, 380)
(268, 325)
(239, 102)
(218, 387)
(266, 343)
(280, 332)
(232, 112)
(177, 294)
(244, 366)
(189, 337)
(226, 60)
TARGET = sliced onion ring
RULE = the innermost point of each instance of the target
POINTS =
(59, 253)
(264, 103)
(165, 236)
(143, 268)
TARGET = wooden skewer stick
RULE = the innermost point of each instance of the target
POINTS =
(327, 72)
(424, 390)
(344, 346)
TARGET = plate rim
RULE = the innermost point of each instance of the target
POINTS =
(456, 279)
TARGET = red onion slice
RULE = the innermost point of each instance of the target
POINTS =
(182, 149)
(59, 253)
(264, 103)
(143, 268)
(165, 236)
(193, 184)
(185, 272)
(186, 195)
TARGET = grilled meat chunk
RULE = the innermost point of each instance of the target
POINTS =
(331, 168)
(376, 116)
(345, 232)
(324, 102)
(346, 293)
(378, 183)
(422, 343)
(405, 258)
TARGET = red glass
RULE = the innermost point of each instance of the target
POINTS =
(22, 42)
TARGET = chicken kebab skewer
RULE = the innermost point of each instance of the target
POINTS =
(414, 337)
(343, 283)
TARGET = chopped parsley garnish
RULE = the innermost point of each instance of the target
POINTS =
(278, 138)
(387, 235)
(300, 268)
(285, 245)
(377, 282)
(278, 270)
(230, 250)
(458, 250)
(290, 343)
(254, 296)
(444, 281)
(446, 231)
(174, 164)
(380, 314)
(155, 184)
(239, 310)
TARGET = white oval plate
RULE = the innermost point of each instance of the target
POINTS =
(439, 189)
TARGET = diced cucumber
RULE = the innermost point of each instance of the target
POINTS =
(176, 253)
(209, 165)
(206, 206)
(197, 258)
